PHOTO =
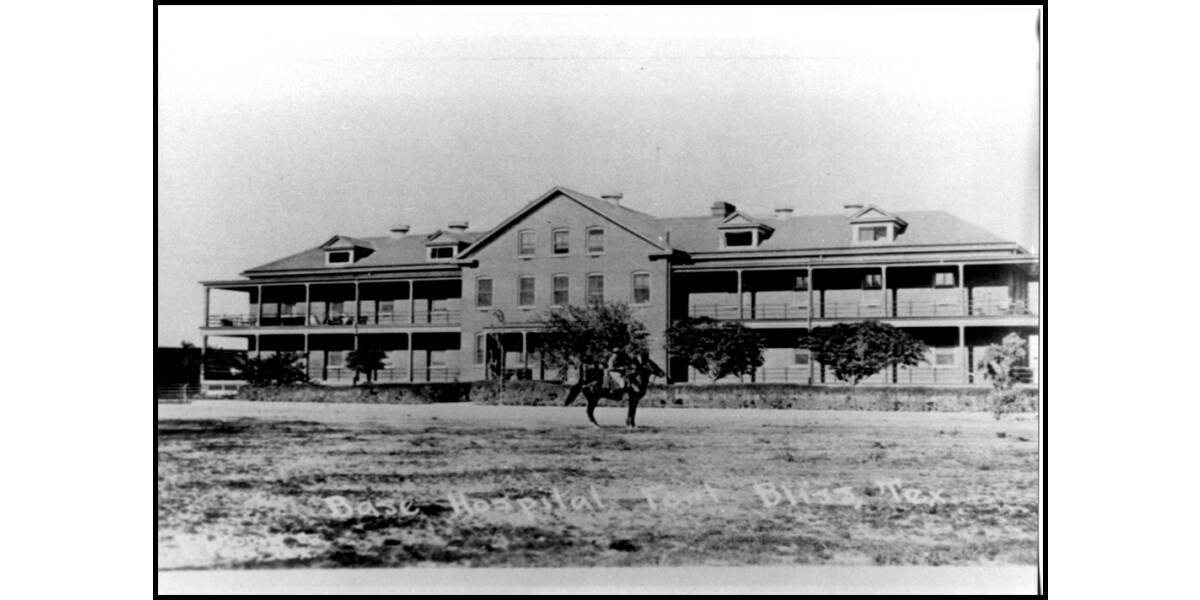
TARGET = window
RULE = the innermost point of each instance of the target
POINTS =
(337, 308)
(595, 240)
(336, 358)
(872, 281)
(525, 243)
(561, 242)
(480, 348)
(872, 234)
(801, 284)
(595, 288)
(641, 288)
(801, 357)
(483, 293)
(562, 290)
(944, 279)
(945, 357)
(736, 239)
(336, 258)
(437, 358)
(287, 310)
(387, 307)
(526, 286)
(441, 252)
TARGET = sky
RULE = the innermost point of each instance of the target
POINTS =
(278, 128)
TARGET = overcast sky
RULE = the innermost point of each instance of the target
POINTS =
(279, 128)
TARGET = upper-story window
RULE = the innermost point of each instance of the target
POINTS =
(561, 241)
(480, 348)
(595, 240)
(441, 252)
(562, 290)
(595, 289)
(526, 285)
(943, 279)
(739, 239)
(872, 281)
(641, 288)
(483, 293)
(873, 234)
(525, 243)
(339, 257)
(801, 284)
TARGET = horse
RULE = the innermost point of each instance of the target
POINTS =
(634, 389)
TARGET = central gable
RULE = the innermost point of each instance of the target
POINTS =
(556, 200)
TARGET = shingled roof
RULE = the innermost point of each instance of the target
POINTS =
(388, 252)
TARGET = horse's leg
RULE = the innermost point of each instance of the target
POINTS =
(633, 402)
(593, 397)
(574, 393)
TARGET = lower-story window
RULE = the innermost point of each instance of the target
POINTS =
(336, 358)
(945, 357)
(801, 357)
(480, 348)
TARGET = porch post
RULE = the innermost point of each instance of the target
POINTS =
(258, 341)
(412, 302)
(260, 304)
(207, 295)
(525, 350)
(203, 356)
(811, 285)
(307, 313)
(962, 354)
(739, 294)
(887, 312)
(964, 295)
(411, 375)
(357, 312)
(307, 360)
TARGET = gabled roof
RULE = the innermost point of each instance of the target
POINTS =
(740, 220)
(827, 232)
(873, 214)
(638, 223)
(408, 250)
(345, 241)
(447, 237)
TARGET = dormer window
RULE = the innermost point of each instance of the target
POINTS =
(873, 234)
(340, 257)
(739, 239)
(441, 252)
(872, 225)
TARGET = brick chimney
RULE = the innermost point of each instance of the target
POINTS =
(783, 213)
(613, 197)
(459, 225)
(722, 209)
(400, 230)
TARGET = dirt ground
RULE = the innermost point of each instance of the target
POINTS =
(295, 485)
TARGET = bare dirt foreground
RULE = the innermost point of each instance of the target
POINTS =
(263, 485)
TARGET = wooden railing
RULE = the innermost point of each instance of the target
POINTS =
(419, 317)
(863, 310)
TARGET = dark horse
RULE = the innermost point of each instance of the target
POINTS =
(634, 390)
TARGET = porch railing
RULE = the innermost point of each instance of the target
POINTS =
(389, 375)
(864, 310)
(427, 317)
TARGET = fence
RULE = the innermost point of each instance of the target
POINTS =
(418, 317)
(864, 310)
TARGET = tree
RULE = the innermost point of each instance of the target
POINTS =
(365, 362)
(998, 363)
(856, 351)
(584, 335)
(277, 369)
(716, 348)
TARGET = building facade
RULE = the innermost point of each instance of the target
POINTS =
(461, 305)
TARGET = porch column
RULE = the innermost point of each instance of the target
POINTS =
(307, 313)
(739, 293)
(207, 295)
(887, 305)
(811, 285)
(260, 303)
(257, 341)
(525, 350)
(203, 356)
(964, 296)
(411, 345)
(357, 312)
(962, 354)
(412, 302)
(307, 360)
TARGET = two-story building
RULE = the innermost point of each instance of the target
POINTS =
(464, 305)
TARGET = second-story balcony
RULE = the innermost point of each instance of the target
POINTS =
(426, 317)
(862, 310)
